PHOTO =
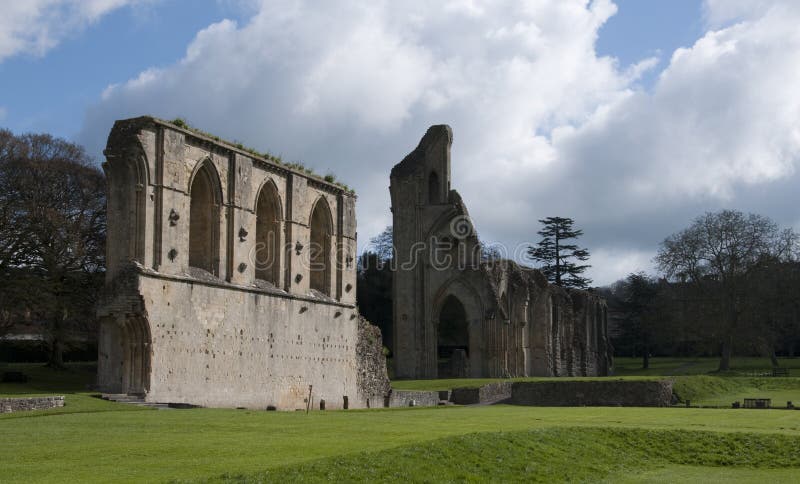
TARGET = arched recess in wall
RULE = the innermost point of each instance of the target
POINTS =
(206, 198)
(457, 312)
(135, 356)
(127, 179)
(137, 170)
(452, 336)
(321, 228)
(268, 234)
(434, 190)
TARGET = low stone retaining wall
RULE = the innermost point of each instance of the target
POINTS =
(615, 393)
(8, 405)
(404, 398)
(489, 393)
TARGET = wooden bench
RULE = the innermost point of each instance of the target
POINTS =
(757, 402)
(780, 372)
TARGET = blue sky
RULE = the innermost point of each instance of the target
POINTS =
(630, 116)
(50, 93)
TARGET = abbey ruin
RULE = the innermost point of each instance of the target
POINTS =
(230, 278)
(456, 315)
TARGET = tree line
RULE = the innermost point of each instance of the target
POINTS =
(52, 240)
(729, 283)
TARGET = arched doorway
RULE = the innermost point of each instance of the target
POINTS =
(135, 357)
(320, 248)
(267, 254)
(452, 339)
(204, 220)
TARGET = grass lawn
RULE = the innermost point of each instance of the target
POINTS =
(665, 366)
(83, 443)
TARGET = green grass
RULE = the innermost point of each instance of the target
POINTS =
(664, 366)
(672, 473)
(450, 383)
(91, 440)
(72, 383)
(722, 391)
(550, 455)
(191, 444)
(695, 380)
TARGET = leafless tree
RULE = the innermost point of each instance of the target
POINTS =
(718, 254)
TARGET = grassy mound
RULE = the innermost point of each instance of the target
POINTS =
(722, 391)
(550, 455)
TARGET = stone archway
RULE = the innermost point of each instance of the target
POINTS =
(135, 362)
(452, 339)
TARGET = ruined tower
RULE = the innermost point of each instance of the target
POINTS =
(456, 315)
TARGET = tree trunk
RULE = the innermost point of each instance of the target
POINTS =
(56, 356)
(773, 358)
(725, 358)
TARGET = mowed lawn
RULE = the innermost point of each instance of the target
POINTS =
(91, 440)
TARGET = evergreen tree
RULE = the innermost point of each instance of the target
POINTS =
(559, 258)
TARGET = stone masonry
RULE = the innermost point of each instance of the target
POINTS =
(8, 405)
(231, 278)
(457, 315)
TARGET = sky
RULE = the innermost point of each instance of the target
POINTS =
(631, 117)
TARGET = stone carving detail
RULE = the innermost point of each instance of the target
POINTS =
(173, 217)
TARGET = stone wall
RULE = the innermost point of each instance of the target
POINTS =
(484, 394)
(410, 398)
(8, 405)
(606, 393)
(192, 313)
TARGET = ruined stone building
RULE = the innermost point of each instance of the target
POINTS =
(230, 278)
(456, 315)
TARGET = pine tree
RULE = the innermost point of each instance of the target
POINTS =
(559, 259)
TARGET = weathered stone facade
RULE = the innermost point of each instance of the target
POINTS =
(231, 278)
(456, 315)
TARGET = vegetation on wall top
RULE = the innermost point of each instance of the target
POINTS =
(296, 166)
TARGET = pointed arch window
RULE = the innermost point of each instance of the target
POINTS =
(204, 219)
(268, 234)
(321, 228)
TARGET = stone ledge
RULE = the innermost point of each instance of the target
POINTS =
(8, 405)
(222, 284)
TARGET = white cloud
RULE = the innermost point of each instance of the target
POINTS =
(3, 113)
(543, 126)
(36, 26)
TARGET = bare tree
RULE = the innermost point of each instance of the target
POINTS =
(52, 234)
(717, 254)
